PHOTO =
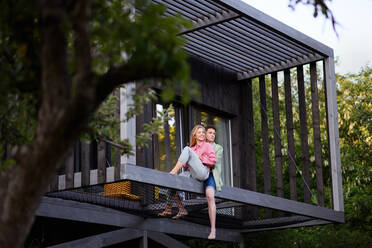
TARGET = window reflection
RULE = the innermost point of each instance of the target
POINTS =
(166, 151)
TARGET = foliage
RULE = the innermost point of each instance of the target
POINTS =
(122, 32)
(318, 6)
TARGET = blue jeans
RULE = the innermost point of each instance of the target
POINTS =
(210, 182)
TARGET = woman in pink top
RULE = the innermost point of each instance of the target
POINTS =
(197, 159)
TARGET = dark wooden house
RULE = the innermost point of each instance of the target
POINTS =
(271, 93)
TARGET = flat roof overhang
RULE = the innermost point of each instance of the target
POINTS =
(243, 39)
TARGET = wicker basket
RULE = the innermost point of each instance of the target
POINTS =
(120, 189)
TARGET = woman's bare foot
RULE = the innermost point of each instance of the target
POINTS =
(180, 214)
(176, 168)
(166, 212)
(212, 235)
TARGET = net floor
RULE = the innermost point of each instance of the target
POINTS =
(149, 201)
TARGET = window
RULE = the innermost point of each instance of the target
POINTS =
(170, 141)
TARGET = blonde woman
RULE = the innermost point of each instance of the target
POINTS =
(197, 160)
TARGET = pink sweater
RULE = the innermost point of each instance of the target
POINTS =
(205, 151)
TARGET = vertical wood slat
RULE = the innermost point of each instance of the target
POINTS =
(265, 141)
(250, 159)
(277, 137)
(69, 163)
(168, 159)
(116, 161)
(101, 162)
(316, 133)
(304, 134)
(251, 163)
(85, 164)
(290, 136)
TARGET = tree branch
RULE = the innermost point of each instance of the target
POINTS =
(130, 72)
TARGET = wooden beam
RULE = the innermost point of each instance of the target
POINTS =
(163, 179)
(90, 213)
(212, 20)
(290, 135)
(85, 212)
(103, 239)
(333, 135)
(85, 163)
(276, 26)
(278, 67)
(165, 240)
(277, 135)
(316, 133)
(70, 169)
(265, 141)
(304, 224)
(101, 162)
(188, 229)
(304, 135)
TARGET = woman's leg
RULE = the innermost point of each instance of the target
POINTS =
(181, 209)
(209, 191)
(197, 169)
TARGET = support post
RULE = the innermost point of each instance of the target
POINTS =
(333, 135)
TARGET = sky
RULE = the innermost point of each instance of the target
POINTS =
(352, 47)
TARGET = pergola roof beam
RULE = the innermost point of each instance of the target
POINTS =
(209, 9)
(282, 66)
(212, 59)
(212, 20)
(239, 45)
(181, 8)
(253, 45)
(267, 40)
(282, 28)
(224, 47)
(273, 35)
(177, 11)
(254, 42)
(231, 56)
(217, 57)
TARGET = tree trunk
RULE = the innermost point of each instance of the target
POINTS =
(61, 119)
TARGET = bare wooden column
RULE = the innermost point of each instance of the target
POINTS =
(101, 162)
(248, 158)
(277, 139)
(69, 163)
(85, 163)
(251, 162)
(265, 141)
(333, 135)
(304, 134)
(290, 136)
(316, 133)
(179, 130)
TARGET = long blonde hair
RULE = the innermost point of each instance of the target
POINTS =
(193, 134)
